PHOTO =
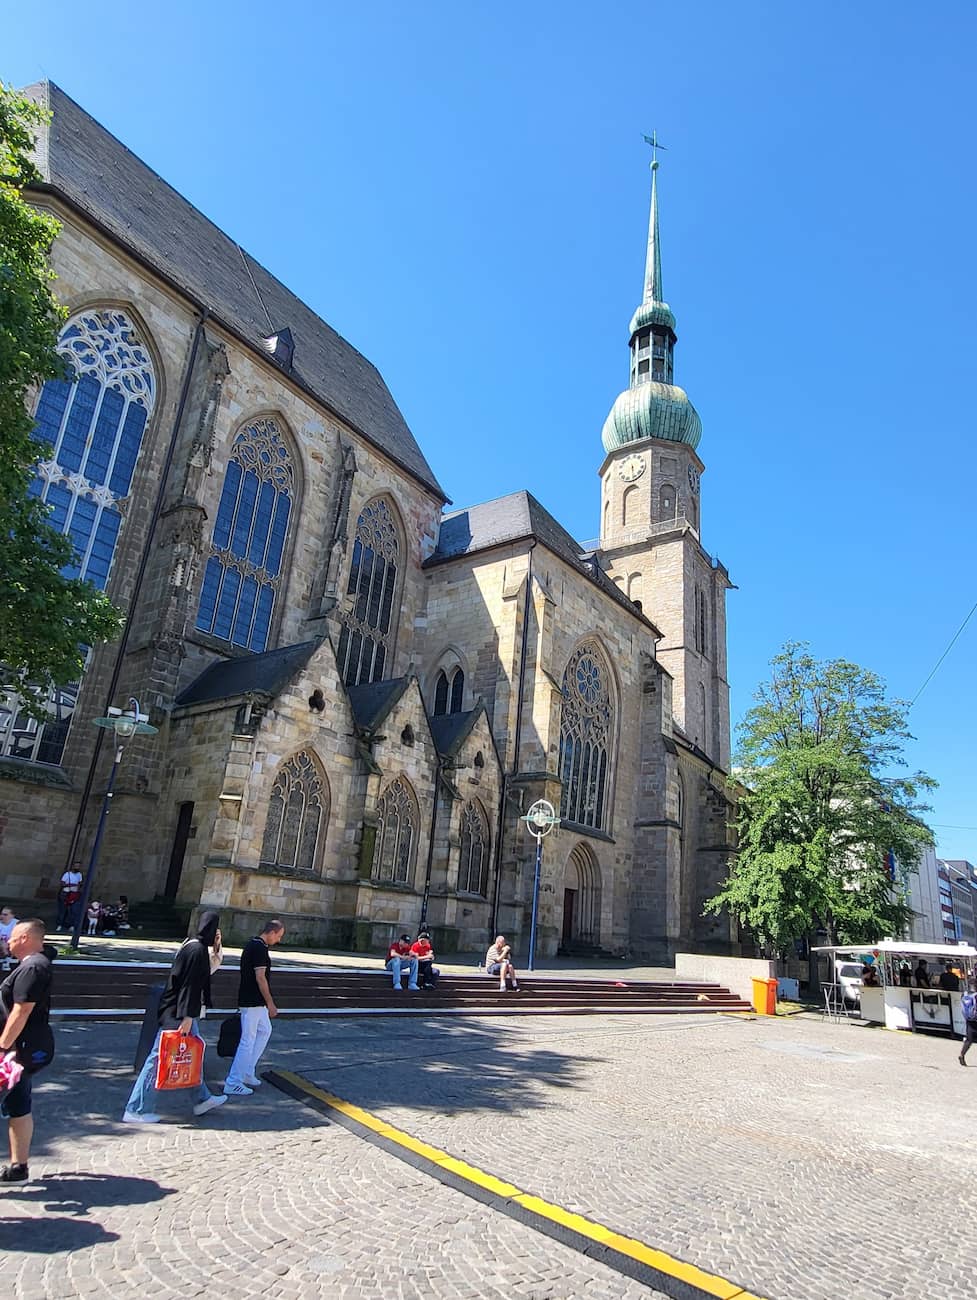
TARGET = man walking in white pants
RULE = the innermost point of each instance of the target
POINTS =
(257, 1008)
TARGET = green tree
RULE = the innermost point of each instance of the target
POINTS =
(820, 810)
(46, 619)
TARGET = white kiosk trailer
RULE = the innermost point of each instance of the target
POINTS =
(899, 1005)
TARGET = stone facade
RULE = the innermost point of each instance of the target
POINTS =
(276, 785)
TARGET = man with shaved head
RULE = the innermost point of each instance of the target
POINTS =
(25, 1004)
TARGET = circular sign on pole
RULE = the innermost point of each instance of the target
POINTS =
(541, 817)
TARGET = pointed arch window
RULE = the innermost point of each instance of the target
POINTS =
(243, 576)
(94, 421)
(586, 736)
(449, 691)
(396, 842)
(369, 626)
(298, 812)
(473, 855)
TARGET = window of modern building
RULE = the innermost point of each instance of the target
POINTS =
(473, 855)
(243, 576)
(298, 813)
(586, 737)
(369, 625)
(396, 842)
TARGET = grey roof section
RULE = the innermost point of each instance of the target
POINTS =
(451, 730)
(372, 702)
(82, 161)
(513, 518)
(264, 674)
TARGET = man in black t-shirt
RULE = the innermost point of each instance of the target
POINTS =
(25, 1004)
(257, 1008)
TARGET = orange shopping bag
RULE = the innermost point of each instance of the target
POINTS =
(181, 1060)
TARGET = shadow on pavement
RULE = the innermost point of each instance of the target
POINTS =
(435, 1064)
(59, 1235)
(439, 1064)
(76, 1193)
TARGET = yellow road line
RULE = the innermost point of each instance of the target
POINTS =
(707, 1284)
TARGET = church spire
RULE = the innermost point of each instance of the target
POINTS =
(653, 406)
(653, 261)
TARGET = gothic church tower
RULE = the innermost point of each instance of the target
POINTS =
(651, 517)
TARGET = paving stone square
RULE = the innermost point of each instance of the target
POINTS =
(802, 1160)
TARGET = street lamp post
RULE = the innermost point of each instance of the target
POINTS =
(540, 820)
(125, 724)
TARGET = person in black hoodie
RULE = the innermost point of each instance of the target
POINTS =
(187, 991)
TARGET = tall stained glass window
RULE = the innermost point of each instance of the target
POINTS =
(297, 814)
(94, 420)
(474, 852)
(396, 842)
(244, 571)
(586, 736)
(369, 626)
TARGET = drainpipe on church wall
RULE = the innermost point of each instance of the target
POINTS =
(439, 768)
(137, 584)
(516, 743)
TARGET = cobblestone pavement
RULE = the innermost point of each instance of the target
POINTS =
(802, 1160)
(262, 1197)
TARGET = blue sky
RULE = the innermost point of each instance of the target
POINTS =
(462, 191)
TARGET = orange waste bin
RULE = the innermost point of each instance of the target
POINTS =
(765, 997)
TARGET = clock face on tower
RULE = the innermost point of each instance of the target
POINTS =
(694, 480)
(632, 468)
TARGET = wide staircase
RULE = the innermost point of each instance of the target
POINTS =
(118, 990)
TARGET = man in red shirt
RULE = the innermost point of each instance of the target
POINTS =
(424, 953)
(400, 958)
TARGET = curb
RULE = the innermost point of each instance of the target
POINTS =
(654, 1268)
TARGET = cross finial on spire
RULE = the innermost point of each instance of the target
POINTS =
(655, 146)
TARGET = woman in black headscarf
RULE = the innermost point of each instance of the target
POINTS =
(186, 993)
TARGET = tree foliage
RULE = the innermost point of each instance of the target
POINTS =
(822, 811)
(46, 619)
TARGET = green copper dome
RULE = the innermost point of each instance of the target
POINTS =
(652, 410)
(652, 313)
(652, 407)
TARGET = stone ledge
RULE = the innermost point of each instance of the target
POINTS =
(32, 773)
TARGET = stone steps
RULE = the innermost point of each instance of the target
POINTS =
(122, 989)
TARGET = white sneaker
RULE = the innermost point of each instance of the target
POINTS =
(133, 1117)
(503, 988)
(237, 1090)
(202, 1107)
(253, 1083)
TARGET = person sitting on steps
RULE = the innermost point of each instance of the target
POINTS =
(498, 961)
(400, 959)
(427, 972)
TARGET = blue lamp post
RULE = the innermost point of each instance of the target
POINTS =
(126, 724)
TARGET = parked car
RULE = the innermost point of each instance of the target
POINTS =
(848, 974)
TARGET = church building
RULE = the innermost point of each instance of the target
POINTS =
(359, 690)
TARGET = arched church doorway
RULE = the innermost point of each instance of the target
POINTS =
(581, 898)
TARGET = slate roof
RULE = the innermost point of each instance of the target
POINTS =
(513, 518)
(373, 701)
(264, 674)
(94, 172)
(450, 730)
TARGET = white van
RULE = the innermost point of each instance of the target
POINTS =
(848, 976)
